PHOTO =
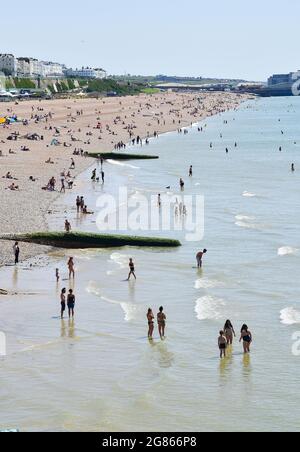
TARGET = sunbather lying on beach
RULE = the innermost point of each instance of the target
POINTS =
(13, 187)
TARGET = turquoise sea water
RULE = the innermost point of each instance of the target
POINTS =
(101, 373)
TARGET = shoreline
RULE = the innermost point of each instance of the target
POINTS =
(33, 208)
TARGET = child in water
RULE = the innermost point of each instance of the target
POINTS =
(222, 343)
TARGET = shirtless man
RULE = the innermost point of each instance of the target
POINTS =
(161, 320)
(71, 267)
(200, 257)
(222, 343)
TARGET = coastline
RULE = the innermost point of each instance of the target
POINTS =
(31, 203)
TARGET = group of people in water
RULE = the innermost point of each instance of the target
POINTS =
(227, 335)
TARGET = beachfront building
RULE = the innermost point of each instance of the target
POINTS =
(8, 64)
(86, 73)
(50, 69)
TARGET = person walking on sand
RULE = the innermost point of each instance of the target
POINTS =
(63, 302)
(71, 303)
(150, 318)
(132, 269)
(229, 332)
(222, 343)
(71, 267)
(246, 338)
(16, 249)
(199, 258)
(161, 320)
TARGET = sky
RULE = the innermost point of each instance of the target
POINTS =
(223, 39)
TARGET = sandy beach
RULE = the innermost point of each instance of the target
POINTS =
(85, 125)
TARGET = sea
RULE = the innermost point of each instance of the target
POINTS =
(100, 372)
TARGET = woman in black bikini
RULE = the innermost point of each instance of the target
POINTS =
(150, 318)
(246, 337)
(132, 269)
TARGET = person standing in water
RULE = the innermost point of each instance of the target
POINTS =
(200, 258)
(222, 343)
(132, 270)
(71, 267)
(161, 320)
(71, 303)
(191, 171)
(68, 227)
(78, 204)
(159, 200)
(150, 318)
(229, 332)
(16, 249)
(63, 302)
(293, 167)
(246, 338)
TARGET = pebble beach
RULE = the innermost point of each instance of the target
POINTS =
(88, 125)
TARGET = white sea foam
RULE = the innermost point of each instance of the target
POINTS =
(247, 194)
(115, 162)
(244, 218)
(290, 316)
(120, 259)
(205, 283)
(209, 308)
(244, 224)
(131, 311)
(287, 250)
(93, 288)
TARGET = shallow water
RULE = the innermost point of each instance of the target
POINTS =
(100, 372)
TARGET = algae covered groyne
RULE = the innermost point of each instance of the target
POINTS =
(81, 240)
(120, 156)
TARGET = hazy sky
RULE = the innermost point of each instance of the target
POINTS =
(228, 38)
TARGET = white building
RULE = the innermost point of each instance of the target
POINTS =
(50, 69)
(86, 73)
(24, 67)
(8, 63)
